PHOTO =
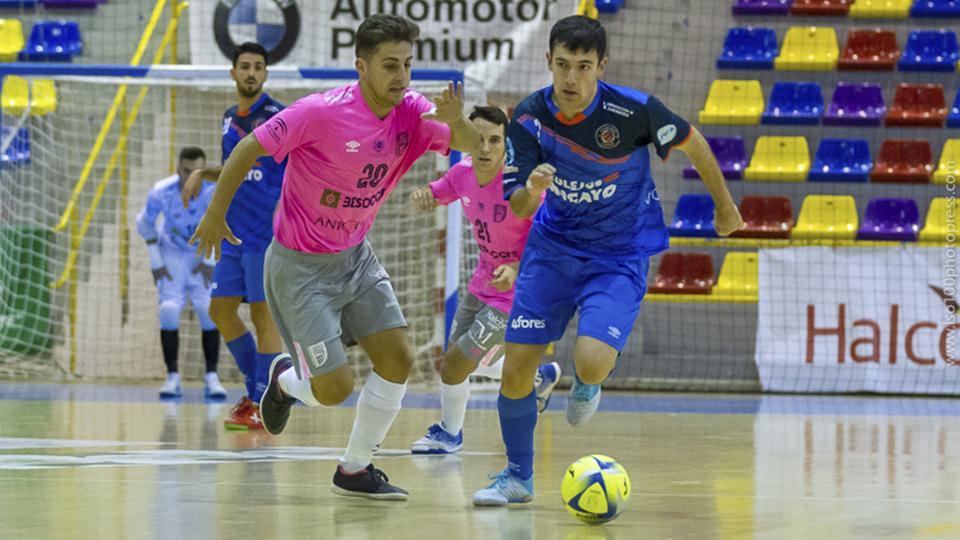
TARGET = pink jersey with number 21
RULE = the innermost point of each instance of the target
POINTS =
(342, 164)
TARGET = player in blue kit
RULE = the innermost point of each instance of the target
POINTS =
(238, 276)
(584, 141)
(178, 272)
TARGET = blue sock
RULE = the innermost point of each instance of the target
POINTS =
(518, 419)
(244, 350)
(263, 371)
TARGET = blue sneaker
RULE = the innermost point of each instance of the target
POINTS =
(438, 441)
(547, 377)
(505, 489)
(582, 401)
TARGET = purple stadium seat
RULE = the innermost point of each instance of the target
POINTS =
(70, 4)
(730, 154)
(856, 105)
(761, 7)
(890, 219)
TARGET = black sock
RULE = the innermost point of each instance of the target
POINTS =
(170, 342)
(211, 349)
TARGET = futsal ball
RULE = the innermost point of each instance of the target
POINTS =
(595, 489)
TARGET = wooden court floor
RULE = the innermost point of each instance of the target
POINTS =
(100, 461)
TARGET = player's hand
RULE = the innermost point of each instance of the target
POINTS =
(206, 271)
(160, 273)
(541, 178)
(449, 105)
(210, 233)
(726, 219)
(504, 277)
(191, 187)
(422, 200)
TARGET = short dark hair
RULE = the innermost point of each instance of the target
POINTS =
(494, 115)
(249, 47)
(579, 33)
(191, 152)
(381, 28)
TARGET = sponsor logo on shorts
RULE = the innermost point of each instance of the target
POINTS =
(614, 332)
(666, 134)
(330, 198)
(318, 354)
(521, 322)
(380, 273)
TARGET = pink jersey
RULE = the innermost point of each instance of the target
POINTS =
(499, 234)
(342, 163)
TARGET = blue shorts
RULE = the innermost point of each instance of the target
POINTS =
(239, 273)
(553, 284)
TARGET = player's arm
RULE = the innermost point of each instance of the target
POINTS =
(727, 218)
(449, 110)
(194, 182)
(525, 201)
(213, 226)
(147, 229)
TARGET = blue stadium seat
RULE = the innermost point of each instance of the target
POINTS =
(18, 153)
(56, 41)
(794, 103)
(841, 160)
(693, 217)
(953, 120)
(930, 50)
(748, 48)
(935, 8)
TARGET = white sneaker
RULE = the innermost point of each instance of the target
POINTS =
(438, 441)
(213, 389)
(582, 401)
(171, 388)
(548, 375)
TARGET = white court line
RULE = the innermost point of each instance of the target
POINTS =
(22, 443)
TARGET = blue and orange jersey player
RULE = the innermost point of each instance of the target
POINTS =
(238, 275)
(586, 143)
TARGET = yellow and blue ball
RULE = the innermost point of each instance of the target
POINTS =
(595, 489)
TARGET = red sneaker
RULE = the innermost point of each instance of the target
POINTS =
(244, 416)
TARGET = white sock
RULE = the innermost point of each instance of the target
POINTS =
(300, 389)
(453, 406)
(377, 407)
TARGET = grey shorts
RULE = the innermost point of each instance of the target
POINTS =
(477, 328)
(324, 302)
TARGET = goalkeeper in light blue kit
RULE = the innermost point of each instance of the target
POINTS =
(585, 143)
(178, 272)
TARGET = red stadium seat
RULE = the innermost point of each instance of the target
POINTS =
(903, 161)
(918, 105)
(820, 7)
(870, 50)
(765, 217)
(684, 273)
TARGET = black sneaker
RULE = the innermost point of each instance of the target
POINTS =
(274, 404)
(371, 483)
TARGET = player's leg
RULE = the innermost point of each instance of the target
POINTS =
(171, 295)
(269, 343)
(210, 338)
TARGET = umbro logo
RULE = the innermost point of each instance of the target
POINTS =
(353, 146)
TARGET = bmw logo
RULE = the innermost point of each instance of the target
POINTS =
(275, 24)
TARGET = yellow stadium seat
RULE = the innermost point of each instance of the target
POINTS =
(881, 9)
(782, 159)
(738, 276)
(949, 160)
(11, 39)
(935, 227)
(14, 98)
(827, 217)
(808, 48)
(43, 97)
(733, 103)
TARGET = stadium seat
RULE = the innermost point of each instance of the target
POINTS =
(870, 50)
(820, 7)
(827, 217)
(15, 95)
(953, 119)
(858, 104)
(765, 217)
(731, 156)
(935, 8)
(57, 41)
(841, 160)
(684, 273)
(949, 163)
(890, 219)
(808, 48)
(11, 39)
(13, 4)
(18, 153)
(69, 4)
(738, 275)
(794, 103)
(748, 48)
(903, 161)
(917, 105)
(938, 224)
(693, 216)
(880, 9)
(782, 159)
(930, 50)
(733, 103)
(761, 7)
(43, 97)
